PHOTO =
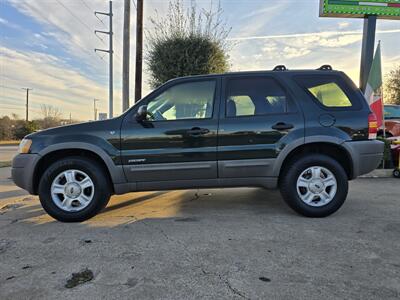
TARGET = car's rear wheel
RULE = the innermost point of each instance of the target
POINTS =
(314, 185)
(74, 189)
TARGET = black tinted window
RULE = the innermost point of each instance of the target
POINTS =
(252, 96)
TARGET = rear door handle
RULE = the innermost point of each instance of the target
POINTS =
(282, 126)
(196, 131)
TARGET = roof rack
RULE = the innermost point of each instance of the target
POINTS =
(280, 68)
(325, 68)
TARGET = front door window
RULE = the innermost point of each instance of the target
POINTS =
(192, 100)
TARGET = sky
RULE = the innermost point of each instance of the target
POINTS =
(48, 46)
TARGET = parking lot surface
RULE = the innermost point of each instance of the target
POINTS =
(208, 244)
(7, 152)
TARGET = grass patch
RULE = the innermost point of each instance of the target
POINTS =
(9, 143)
(4, 164)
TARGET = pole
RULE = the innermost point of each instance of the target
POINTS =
(111, 104)
(139, 50)
(125, 58)
(27, 103)
(95, 109)
(367, 50)
(110, 52)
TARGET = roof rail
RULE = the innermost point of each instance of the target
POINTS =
(280, 68)
(325, 68)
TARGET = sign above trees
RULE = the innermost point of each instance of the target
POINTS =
(383, 9)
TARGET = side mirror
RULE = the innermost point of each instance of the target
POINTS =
(141, 114)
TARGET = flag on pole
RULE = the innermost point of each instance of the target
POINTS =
(373, 90)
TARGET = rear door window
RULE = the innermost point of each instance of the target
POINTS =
(254, 96)
(328, 91)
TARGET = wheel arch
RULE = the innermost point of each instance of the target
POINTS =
(51, 154)
(329, 148)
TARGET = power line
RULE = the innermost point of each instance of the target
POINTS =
(91, 10)
(80, 21)
(63, 30)
(72, 14)
(9, 87)
(84, 2)
(134, 3)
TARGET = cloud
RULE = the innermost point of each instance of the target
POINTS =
(325, 34)
(343, 25)
(52, 82)
(290, 46)
(9, 24)
(291, 52)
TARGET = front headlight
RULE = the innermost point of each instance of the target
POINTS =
(25, 146)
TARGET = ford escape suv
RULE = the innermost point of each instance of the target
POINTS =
(307, 132)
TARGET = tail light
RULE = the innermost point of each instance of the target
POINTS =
(372, 126)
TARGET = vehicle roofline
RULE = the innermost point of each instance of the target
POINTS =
(257, 72)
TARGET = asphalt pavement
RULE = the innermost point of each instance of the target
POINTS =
(7, 152)
(203, 244)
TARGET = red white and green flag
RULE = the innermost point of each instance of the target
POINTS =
(373, 90)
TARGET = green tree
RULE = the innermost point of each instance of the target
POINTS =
(392, 87)
(23, 128)
(187, 42)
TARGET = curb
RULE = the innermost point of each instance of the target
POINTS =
(378, 173)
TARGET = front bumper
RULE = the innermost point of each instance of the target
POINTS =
(366, 155)
(22, 171)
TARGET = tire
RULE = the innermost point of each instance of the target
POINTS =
(396, 173)
(97, 191)
(295, 175)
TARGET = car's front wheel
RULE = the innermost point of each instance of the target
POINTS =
(314, 185)
(74, 189)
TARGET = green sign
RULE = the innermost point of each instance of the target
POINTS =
(383, 9)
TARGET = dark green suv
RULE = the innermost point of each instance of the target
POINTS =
(305, 131)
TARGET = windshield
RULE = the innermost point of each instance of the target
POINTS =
(392, 112)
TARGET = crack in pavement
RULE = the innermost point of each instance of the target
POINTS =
(225, 280)
(189, 257)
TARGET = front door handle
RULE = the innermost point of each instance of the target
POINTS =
(196, 131)
(282, 126)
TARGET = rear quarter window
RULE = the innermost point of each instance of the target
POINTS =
(330, 92)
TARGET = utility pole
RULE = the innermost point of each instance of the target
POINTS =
(139, 50)
(125, 58)
(367, 50)
(27, 103)
(94, 108)
(110, 53)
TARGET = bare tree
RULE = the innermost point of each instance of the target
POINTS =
(49, 111)
(51, 116)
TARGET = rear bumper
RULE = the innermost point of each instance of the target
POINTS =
(366, 155)
(22, 171)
